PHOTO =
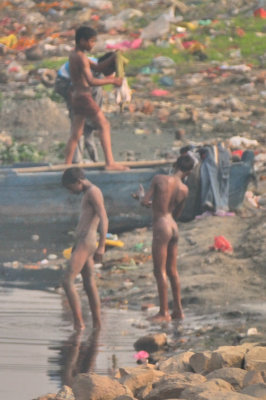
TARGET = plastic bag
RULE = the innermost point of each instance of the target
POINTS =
(123, 93)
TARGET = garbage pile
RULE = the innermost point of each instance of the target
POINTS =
(192, 74)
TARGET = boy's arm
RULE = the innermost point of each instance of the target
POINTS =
(180, 206)
(146, 199)
(101, 66)
(97, 201)
(92, 81)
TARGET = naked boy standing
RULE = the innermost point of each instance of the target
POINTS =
(83, 104)
(166, 196)
(85, 251)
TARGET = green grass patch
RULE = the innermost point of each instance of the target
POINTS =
(52, 63)
(19, 153)
(141, 57)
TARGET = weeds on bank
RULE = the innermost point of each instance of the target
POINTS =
(15, 152)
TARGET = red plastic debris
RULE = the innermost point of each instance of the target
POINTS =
(160, 92)
(238, 153)
(260, 13)
(222, 244)
(141, 355)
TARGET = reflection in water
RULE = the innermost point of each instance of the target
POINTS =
(39, 355)
(79, 356)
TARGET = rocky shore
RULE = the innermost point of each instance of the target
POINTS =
(227, 373)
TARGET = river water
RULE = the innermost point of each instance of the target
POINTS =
(39, 351)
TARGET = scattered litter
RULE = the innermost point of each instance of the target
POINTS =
(124, 45)
(260, 13)
(252, 332)
(237, 68)
(35, 238)
(31, 266)
(108, 242)
(160, 92)
(252, 199)
(166, 81)
(222, 244)
(141, 355)
(238, 141)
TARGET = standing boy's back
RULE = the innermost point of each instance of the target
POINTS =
(167, 196)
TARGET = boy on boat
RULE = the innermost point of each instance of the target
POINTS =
(63, 88)
(166, 196)
(85, 250)
(83, 104)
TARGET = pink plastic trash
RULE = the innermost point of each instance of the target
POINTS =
(125, 45)
(222, 244)
(141, 355)
(160, 92)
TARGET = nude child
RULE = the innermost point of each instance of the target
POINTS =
(85, 250)
(83, 104)
(166, 196)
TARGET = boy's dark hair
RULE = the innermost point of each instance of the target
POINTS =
(184, 163)
(111, 67)
(84, 32)
(72, 175)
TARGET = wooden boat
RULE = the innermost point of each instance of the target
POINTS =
(34, 195)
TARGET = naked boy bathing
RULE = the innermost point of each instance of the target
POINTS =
(166, 196)
(83, 105)
(85, 250)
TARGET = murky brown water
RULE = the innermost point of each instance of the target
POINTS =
(39, 351)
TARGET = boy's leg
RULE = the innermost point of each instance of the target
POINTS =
(92, 292)
(89, 142)
(172, 272)
(105, 137)
(159, 255)
(77, 261)
(77, 125)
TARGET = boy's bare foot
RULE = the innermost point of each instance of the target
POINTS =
(178, 315)
(116, 167)
(159, 318)
(96, 325)
(79, 326)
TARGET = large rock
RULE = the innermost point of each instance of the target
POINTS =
(208, 395)
(252, 377)
(173, 385)
(135, 378)
(151, 343)
(214, 385)
(258, 390)
(234, 376)
(227, 356)
(255, 359)
(97, 387)
(200, 362)
(177, 363)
